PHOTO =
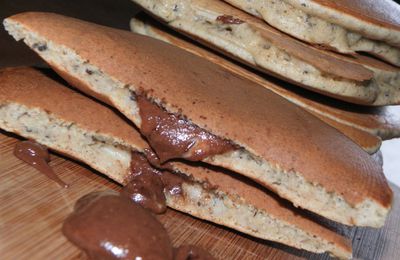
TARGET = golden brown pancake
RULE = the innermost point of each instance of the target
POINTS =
(40, 108)
(276, 143)
(255, 43)
(346, 26)
(368, 140)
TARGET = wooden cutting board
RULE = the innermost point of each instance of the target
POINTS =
(32, 210)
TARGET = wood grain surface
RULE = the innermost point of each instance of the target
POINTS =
(32, 210)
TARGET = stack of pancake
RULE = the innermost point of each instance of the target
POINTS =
(250, 152)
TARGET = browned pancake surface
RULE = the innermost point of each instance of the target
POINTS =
(225, 104)
(385, 13)
(234, 185)
(32, 88)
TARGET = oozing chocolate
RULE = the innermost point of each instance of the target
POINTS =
(229, 19)
(172, 182)
(190, 252)
(172, 136)
(154, 160)
(37, 156)
(109, 226)
(147, 184)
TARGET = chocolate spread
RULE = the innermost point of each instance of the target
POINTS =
(37, 156)
(190, 252)
(155, 161)
(172, 182)
(172, 136)
(147, 184)
(229, 19)
(108, 226)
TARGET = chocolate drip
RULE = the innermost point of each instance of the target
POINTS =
(145, 186)
(148, 184)
(172, 136)
(37, 156)
(229, 19)
(155, 161)
(190, 252)
(109, 226)
(172, 183)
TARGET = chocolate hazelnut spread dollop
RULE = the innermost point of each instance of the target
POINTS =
(229, 19)
(37, 156)
(108, 226)
(172, 181)
(147, 184)
(172, 136)
(190, 252)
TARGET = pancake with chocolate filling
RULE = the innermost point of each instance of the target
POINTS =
(190, 108)
(255, 43)
(345, 26)
(37, 107)
(370, 142)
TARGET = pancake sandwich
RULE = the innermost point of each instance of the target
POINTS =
(187, 107)
(40, 108)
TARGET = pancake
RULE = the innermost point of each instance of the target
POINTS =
(190, 108)
(259, 45)
(381, 121)
(370, 142)
(40, 108)
(345, 26)
(387, 76)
